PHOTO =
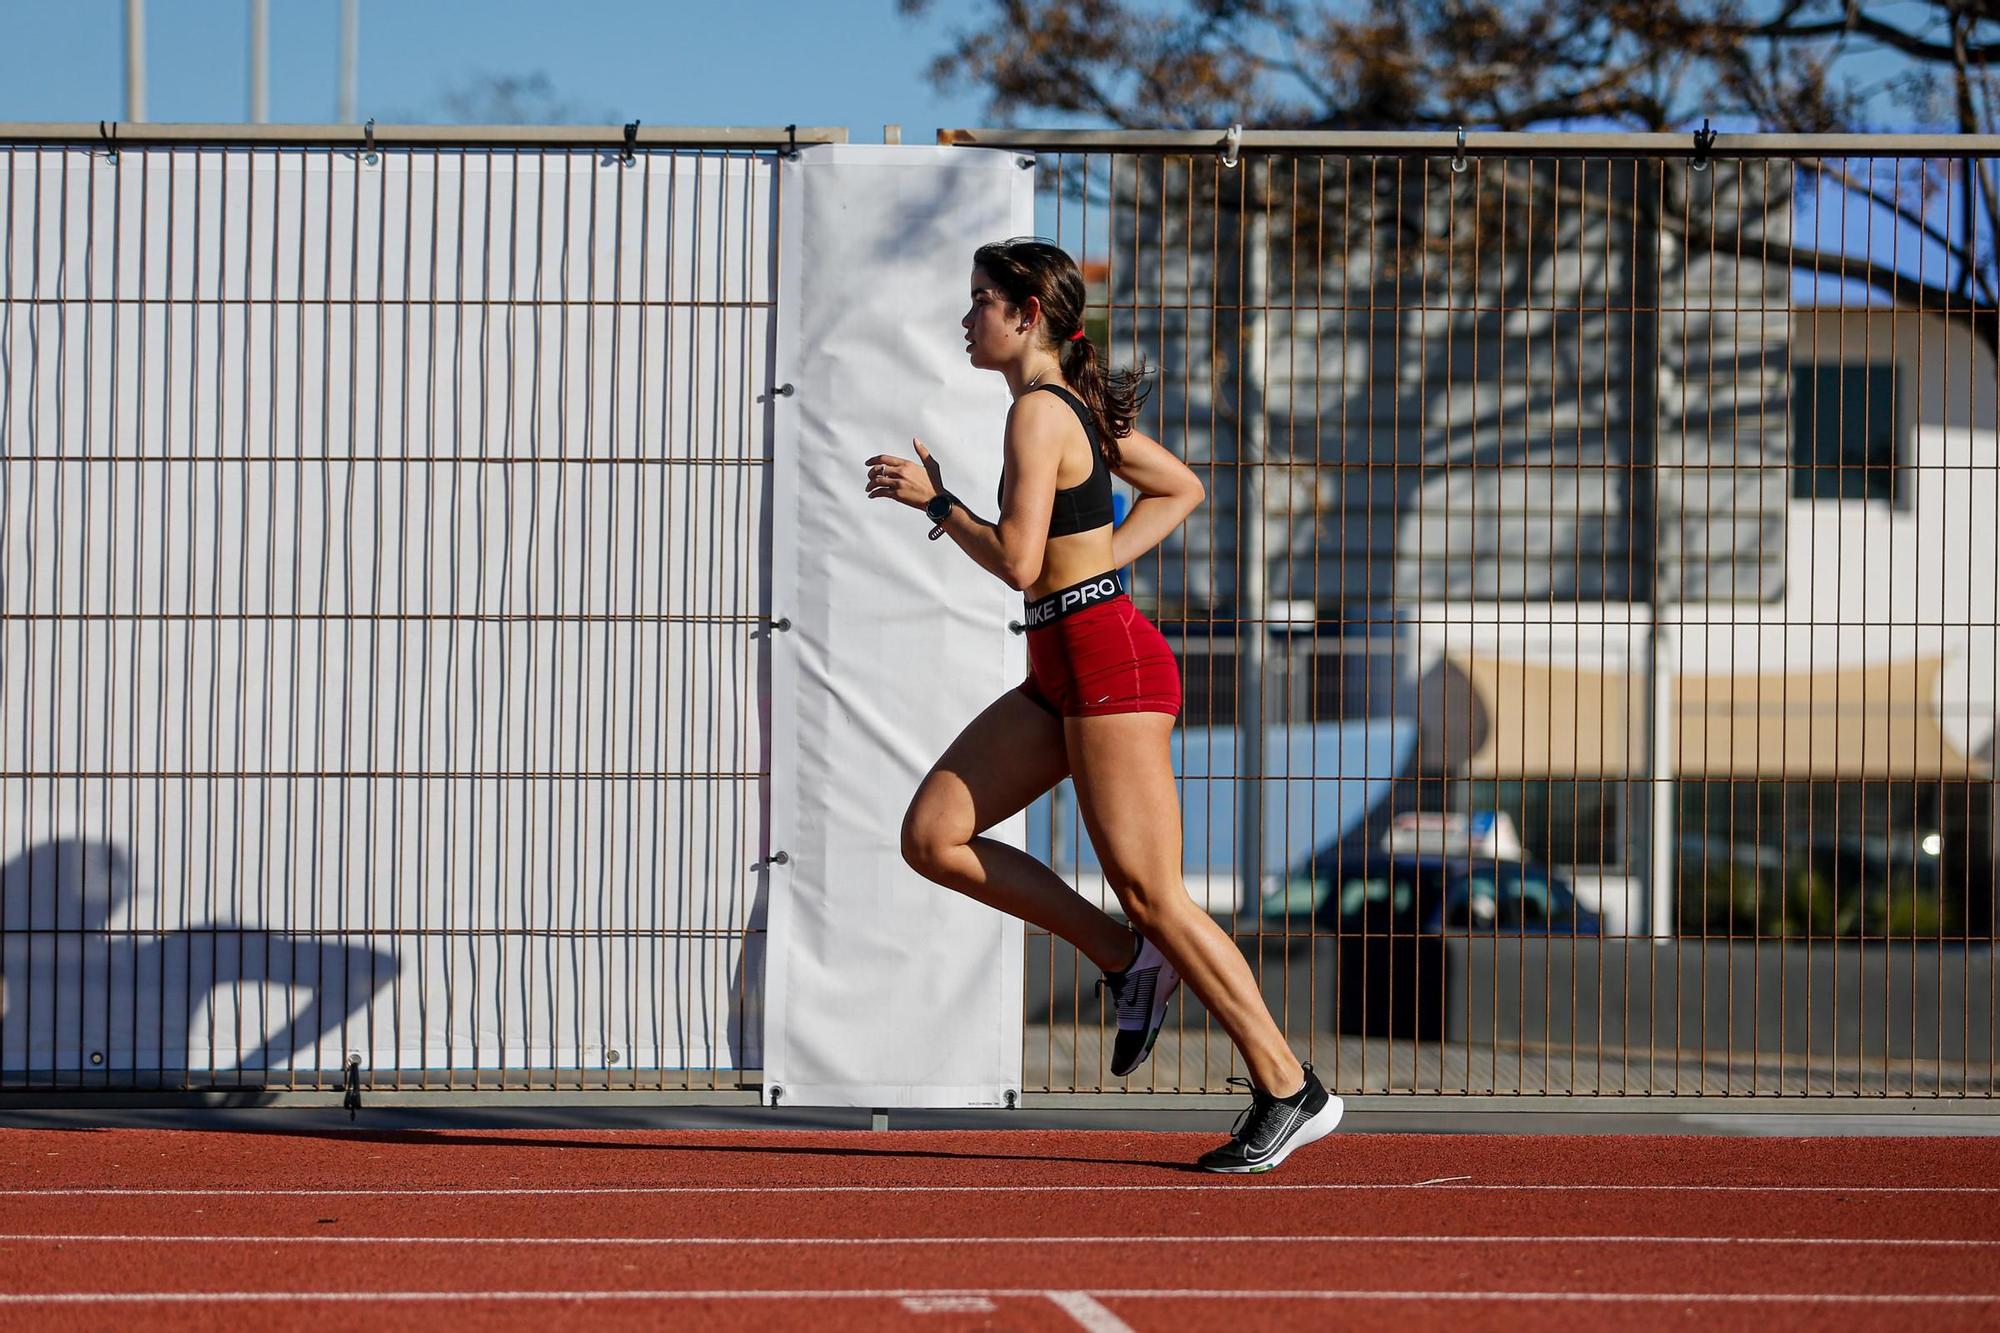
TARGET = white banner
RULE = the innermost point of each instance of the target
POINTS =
(883, 989)
(381, 564)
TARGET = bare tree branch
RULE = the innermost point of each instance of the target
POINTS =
(1866, 189)
(1798, 65)
(1887, 34)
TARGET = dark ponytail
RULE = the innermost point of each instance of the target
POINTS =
(1025, 267)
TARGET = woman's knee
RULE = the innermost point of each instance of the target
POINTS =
(929, 837)
(1152, 905)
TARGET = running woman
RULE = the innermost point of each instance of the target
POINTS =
(1101, 697)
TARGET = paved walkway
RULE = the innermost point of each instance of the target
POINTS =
(1063, 1058)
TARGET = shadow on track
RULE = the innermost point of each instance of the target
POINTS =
(452, 1138)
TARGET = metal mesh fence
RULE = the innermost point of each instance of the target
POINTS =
(1589, 639)
(381, 565)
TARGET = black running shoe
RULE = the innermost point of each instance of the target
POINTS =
(1140, 994)
(1273, 1128)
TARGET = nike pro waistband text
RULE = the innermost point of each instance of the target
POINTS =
(1067, 601)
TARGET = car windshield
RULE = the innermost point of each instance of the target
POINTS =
(1481, 895)
(1359, 893)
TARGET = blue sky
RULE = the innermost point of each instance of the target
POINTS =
(852, 63)
(856, 63)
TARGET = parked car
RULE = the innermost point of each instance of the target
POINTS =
(1377, 892)
(1854, 861)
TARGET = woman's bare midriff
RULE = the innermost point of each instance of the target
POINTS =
(1072, 559)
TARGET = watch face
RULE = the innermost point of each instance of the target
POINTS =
(937, 508)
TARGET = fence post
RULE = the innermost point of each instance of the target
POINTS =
(1661, 728)
(135, 61)
(1661, 643)
(1253, 594)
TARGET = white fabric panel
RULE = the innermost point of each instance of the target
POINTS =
(883, 989)
(382, 662)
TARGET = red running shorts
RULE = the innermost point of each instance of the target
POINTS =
(1098, 655)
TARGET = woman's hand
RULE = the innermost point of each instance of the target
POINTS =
(905, 481)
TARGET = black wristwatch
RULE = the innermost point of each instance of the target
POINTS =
(937, 509)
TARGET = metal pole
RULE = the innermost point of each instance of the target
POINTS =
(260, 61)
(1253, 594)
(1661, 728)
(350, 61)
(135, 61)
(1661, 724)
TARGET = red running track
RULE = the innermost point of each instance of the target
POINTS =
(1014, 1229)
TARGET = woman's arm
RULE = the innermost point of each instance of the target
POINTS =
(1011, 549)
(1168, 492)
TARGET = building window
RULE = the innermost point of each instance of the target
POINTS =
(1354, 677)
(1852, 859)
(1847, 437)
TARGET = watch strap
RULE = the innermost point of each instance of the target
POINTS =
(942, 512)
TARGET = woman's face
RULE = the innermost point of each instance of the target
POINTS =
(993, 333)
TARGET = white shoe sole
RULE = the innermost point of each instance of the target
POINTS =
(1312, 1131)
(1155, 1020)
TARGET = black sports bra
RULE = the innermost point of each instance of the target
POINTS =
(1086, 505)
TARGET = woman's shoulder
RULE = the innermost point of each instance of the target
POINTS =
(1043, 403)
(1042, 424)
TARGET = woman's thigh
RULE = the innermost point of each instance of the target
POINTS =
(1124, 775)
(1006, 757)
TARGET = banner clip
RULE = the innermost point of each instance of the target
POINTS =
(1704, 139)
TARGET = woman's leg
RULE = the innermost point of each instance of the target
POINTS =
(1125, 791)
(1006, 757)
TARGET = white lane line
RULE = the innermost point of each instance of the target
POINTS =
(1088, 1313)
(486, 1191)
(133, 1238)
(1588, 1297)
(898, 1294)
(947, 1305)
